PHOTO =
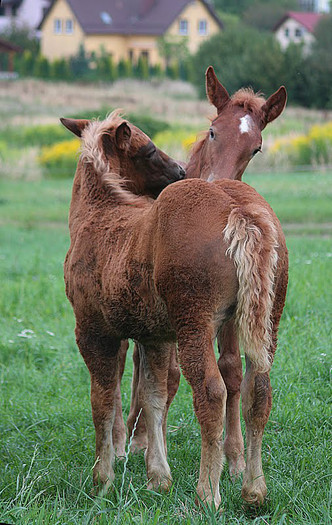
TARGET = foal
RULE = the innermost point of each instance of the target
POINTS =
(233, 139)
(171, 270)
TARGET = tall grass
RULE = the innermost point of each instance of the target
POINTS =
(47, 445)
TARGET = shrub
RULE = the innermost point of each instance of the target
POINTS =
(41, 135)
(176, 142)
(149, 125)
(60, 160)
(315, 148)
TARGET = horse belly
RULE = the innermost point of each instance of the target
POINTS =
(134, 310)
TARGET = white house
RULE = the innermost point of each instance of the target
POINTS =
(27, 13)
(298, 28)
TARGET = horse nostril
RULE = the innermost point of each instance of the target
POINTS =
(182, 172)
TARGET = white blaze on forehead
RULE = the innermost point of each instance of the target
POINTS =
(245, 124)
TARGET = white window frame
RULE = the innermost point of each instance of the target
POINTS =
(202, 27)
(57, 26)
(183, 27)
(69, 26)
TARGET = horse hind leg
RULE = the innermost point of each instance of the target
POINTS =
(256, 405)
(230, 367)
(198, 363)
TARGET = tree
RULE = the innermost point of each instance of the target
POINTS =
(80, 64)
(22, 37)
(41, 67)
(241, 56)
(323, 34)
(263, 15)
(173, 49)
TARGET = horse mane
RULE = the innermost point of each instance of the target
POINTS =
(249, 100)
(93, 154)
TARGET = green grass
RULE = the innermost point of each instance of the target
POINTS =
(47, 437)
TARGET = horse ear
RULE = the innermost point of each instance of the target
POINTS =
(75, 125)
(216, 93)
(122, 135)
(274, 106)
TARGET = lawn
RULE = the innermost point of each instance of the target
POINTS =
(47, 445)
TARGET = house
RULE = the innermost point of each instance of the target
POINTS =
(297, 27)
(126, 29)
(22, 13)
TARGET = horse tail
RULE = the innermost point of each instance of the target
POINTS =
(252, 239)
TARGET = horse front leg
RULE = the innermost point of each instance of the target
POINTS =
(152, 396)
(119, 428)
(101, 355)
(230, 367)
(198, 363)
(140, 440)
(173, 381)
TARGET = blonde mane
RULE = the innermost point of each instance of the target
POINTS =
(93, 154)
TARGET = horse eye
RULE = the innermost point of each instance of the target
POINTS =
(151, 153)
(211, 134)
(256, 151)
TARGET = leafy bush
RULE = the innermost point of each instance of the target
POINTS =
(41, 135)
(176, 141)
(60, 160)
(315, 148)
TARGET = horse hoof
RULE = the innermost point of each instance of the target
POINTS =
(254, 493)
(204, 497)
(160, 483)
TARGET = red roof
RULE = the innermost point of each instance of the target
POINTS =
(308, 20)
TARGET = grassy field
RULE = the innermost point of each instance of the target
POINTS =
(47, 444)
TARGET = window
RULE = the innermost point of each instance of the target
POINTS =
(183, 27)
(57, 26)
(14, 10)
(145, 55)
(298, 32)
(69, 26)
(287, 32)
(131, 55)
(2, 11)
(202, 27)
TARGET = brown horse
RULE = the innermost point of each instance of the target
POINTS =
(175, 269)
(231, 142)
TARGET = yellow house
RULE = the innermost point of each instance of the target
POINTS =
(126, 29)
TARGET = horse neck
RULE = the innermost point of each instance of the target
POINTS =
(199, 163)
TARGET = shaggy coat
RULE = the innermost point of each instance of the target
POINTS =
(175, 269)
